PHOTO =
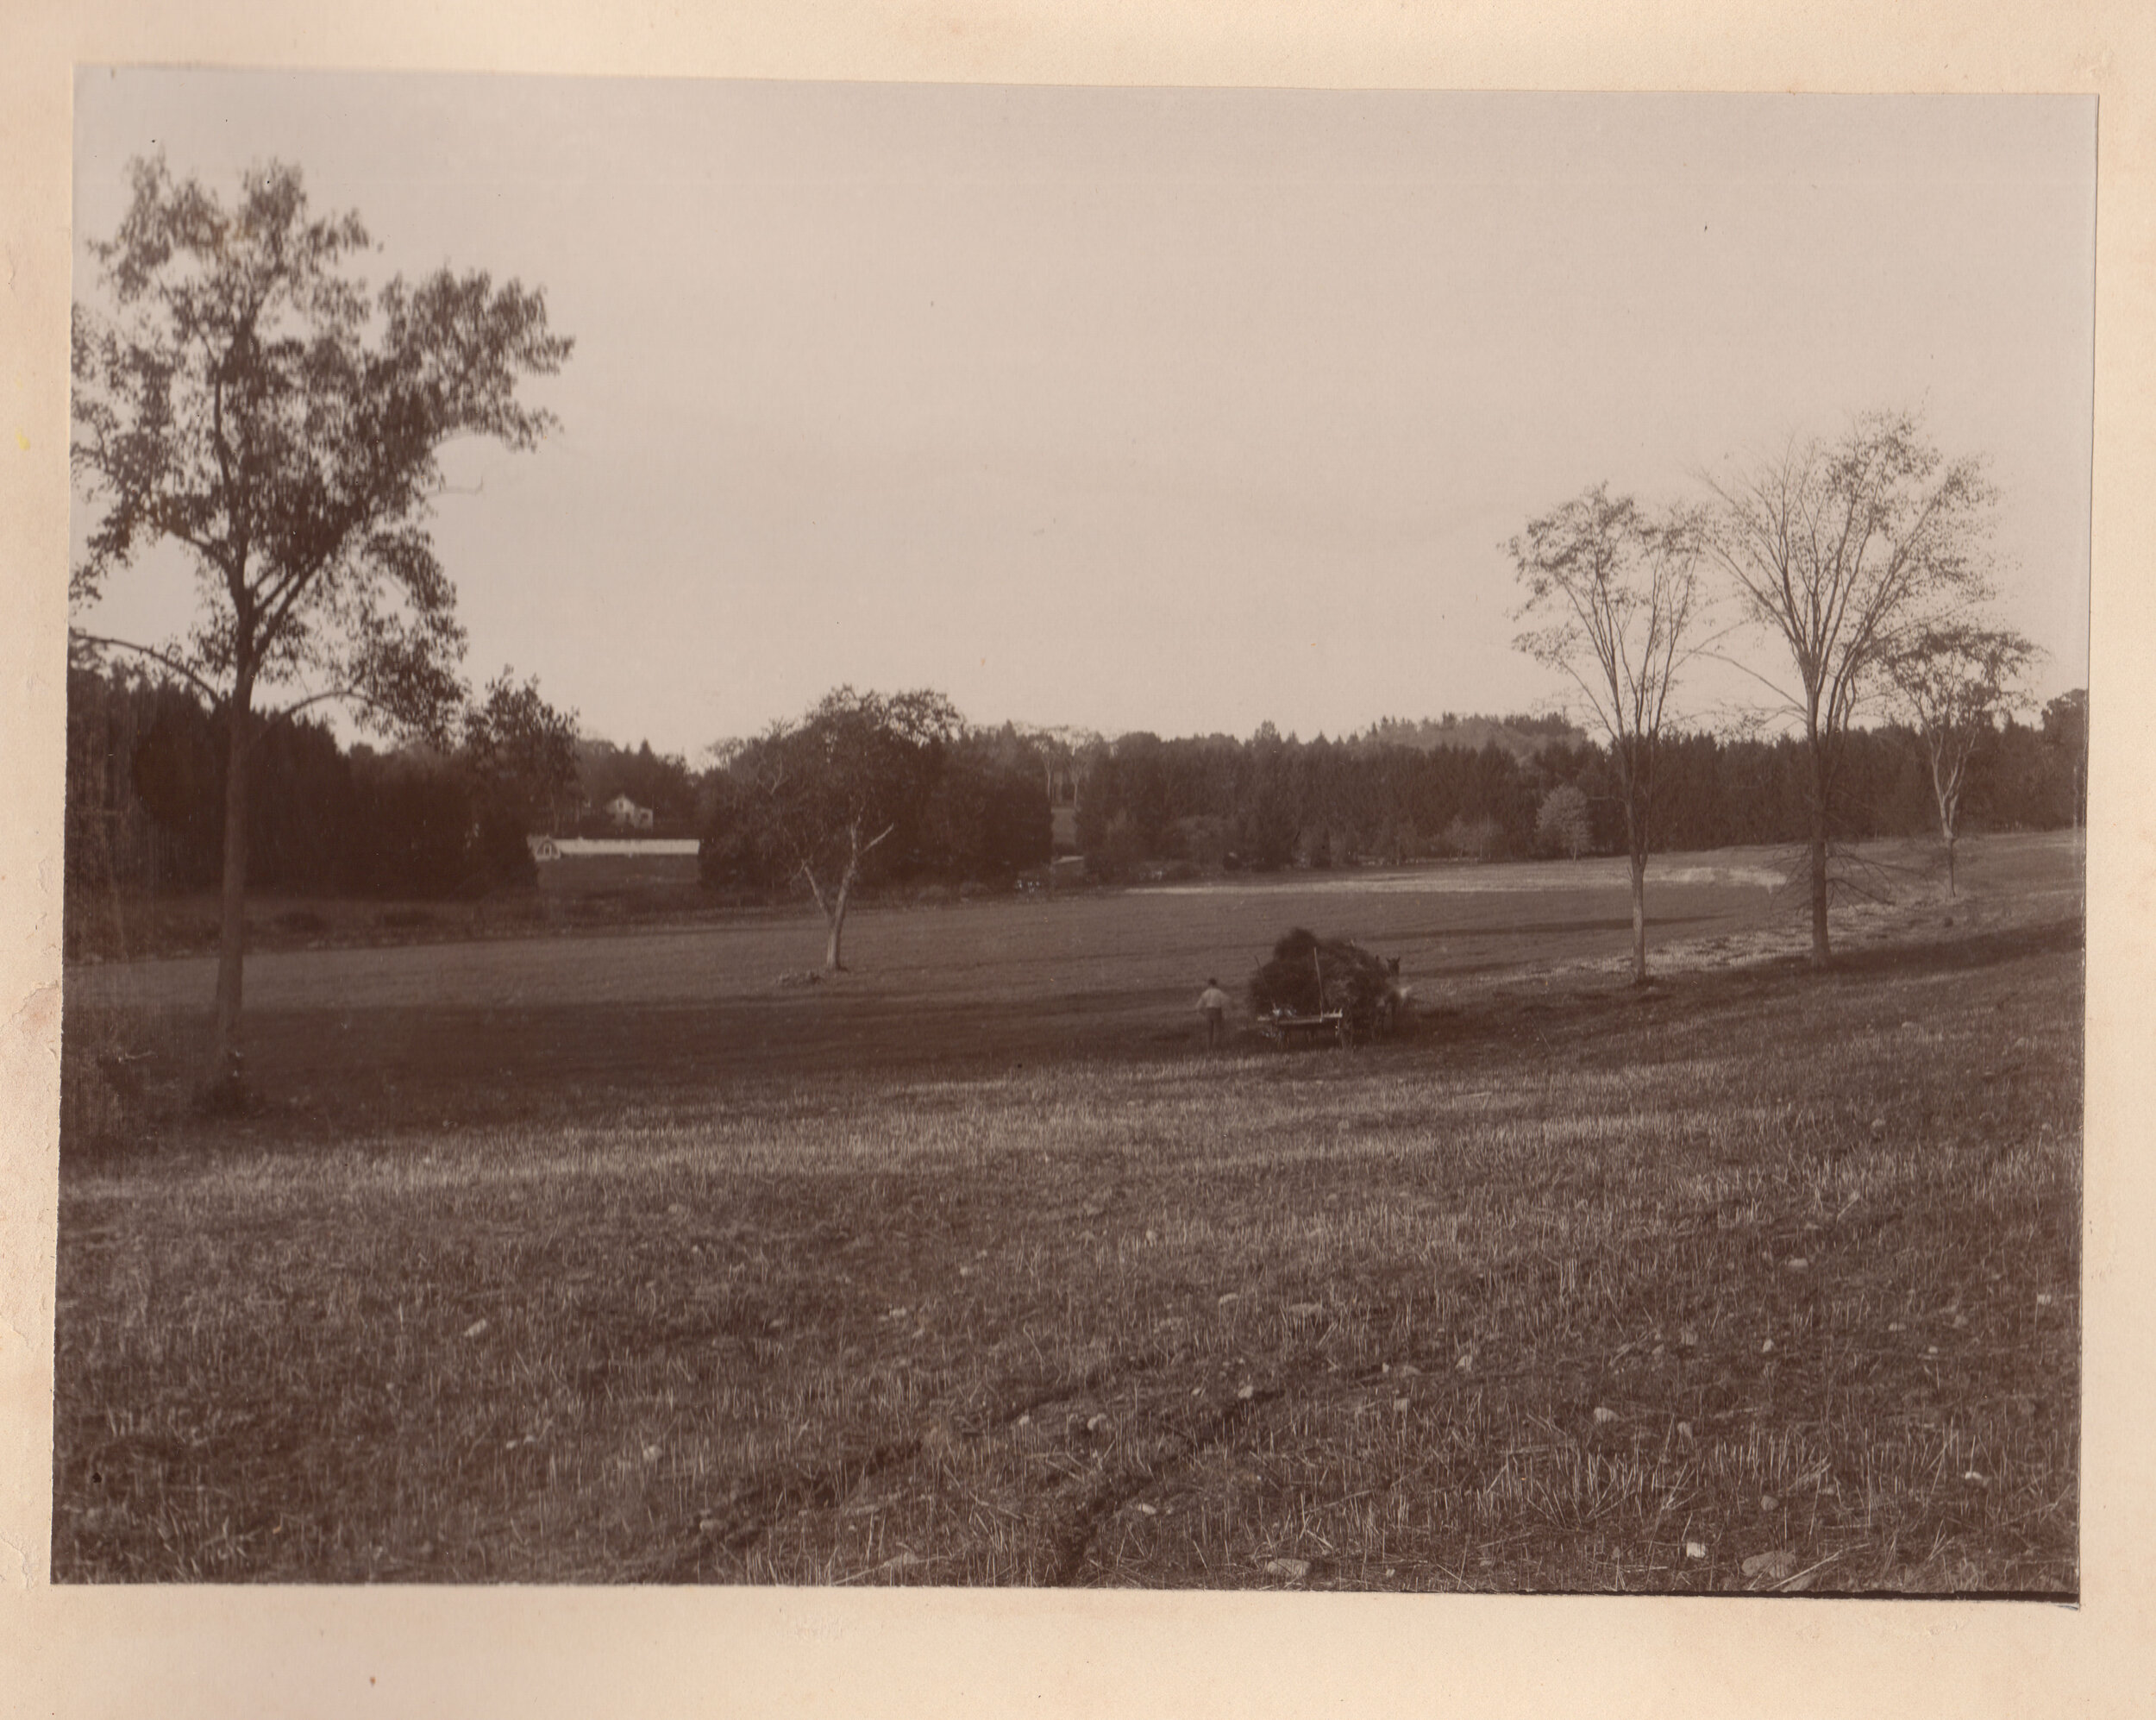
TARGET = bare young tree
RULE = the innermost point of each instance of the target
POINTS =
(1841, 551)
(1619, 593)
(241, 397)
(1951, 680)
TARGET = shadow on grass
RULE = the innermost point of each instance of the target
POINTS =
(1943, 955)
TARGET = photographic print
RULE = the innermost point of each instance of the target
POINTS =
(865, 834)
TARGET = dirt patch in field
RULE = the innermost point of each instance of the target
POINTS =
(1468, 878)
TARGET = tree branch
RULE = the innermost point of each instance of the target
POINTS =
(277, 718)
(816, 890)
(217, 699)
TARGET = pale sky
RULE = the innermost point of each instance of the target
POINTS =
(1173, 410)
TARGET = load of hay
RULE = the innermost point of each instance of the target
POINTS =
(1309, 976)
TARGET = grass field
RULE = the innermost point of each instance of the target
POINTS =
(489, 1027)
(614, 1258)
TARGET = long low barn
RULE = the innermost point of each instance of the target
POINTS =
(573, 847)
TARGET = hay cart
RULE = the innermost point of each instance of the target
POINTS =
(1284, 1029)
(1316, 989)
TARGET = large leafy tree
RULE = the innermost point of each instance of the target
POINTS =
(1615, 591)
(1843, 552)
(242, 395)
(826, 799)
(1951, 681)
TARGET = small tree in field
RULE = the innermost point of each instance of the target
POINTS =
(1478, 838)
(1951, 680)
(820, 799)
(1842, 552)
(243, 397)
(1561, 822)
(1618, 592)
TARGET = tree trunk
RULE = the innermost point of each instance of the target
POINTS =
(224, 1044)
(1636, 849)
(1639, 916)
(1822, 950)
(1947, 791)
(831, 963)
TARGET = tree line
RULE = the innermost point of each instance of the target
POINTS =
(955, 804)
(1265, 803)
(147, 795)
(146, 799)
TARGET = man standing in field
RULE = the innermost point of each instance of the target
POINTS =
(1213, 1004)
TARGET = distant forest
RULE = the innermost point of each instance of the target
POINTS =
(145, 798)
(1404, 793)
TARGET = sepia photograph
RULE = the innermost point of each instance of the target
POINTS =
(864, 834)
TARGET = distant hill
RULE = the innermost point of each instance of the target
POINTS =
(1520, 736)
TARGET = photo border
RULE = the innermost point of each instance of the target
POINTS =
(182, 1651)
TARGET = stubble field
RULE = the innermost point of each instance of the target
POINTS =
(615, 1258)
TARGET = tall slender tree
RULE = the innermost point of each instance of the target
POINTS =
(1842, 552)
(1618, 592)
(1951, 682)
(240, 395)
